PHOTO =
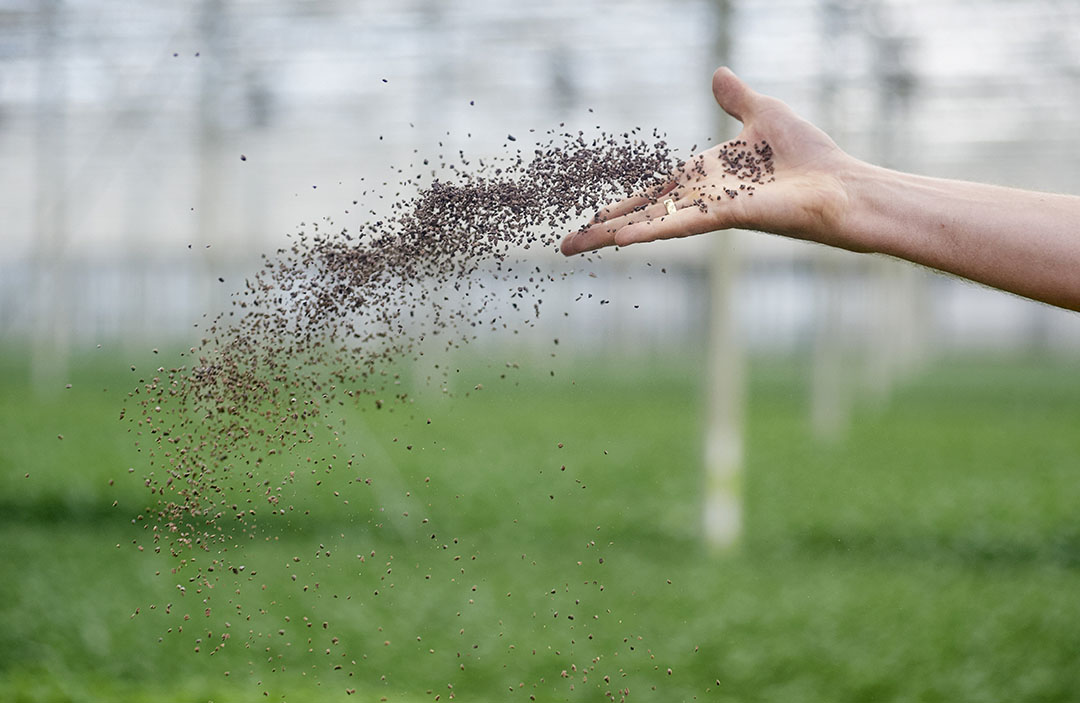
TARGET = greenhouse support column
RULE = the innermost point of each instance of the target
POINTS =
(830, 391)
(723, 495)
(724, 431)
(210, 138)
(52, 336)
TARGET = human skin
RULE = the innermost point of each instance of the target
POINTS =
(1019, 241)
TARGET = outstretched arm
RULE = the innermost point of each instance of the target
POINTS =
(783, 175)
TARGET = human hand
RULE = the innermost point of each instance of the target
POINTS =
(781, 175)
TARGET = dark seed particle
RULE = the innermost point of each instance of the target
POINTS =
(326, 318)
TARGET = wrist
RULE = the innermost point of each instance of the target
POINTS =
(870, 207)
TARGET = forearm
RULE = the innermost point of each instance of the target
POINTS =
(1019, 241)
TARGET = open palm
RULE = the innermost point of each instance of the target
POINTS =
(780, 175)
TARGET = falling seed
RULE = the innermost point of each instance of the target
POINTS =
(263, 381)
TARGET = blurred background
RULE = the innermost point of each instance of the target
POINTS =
(825, 403)
(122, 126)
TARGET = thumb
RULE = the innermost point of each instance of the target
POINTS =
(737, 99)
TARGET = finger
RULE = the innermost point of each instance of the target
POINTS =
(680, 176)
(602, 234)
(632, 203)
(685, 222)
(737, 98)
(654, 208)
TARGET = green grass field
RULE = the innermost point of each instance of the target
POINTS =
(932, 555)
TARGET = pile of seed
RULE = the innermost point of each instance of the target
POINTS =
(324, 319)
(751, 165)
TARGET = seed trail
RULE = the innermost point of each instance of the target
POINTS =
(324, 319)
